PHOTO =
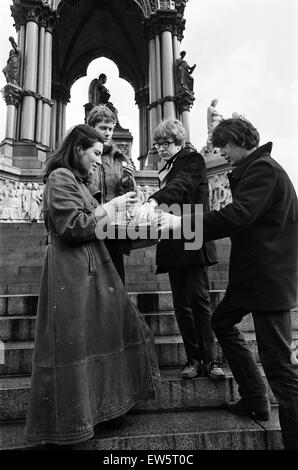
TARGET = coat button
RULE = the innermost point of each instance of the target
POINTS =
(111, 290)
(108, 259)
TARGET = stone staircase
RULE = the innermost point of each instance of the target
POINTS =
(185, 415)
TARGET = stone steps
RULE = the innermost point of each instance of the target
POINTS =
(146, 301)
(174, 393)
(182, 430)
(170, 353)
(22, 328)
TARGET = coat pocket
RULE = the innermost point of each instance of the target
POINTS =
(92, 267)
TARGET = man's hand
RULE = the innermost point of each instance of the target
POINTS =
(164, 222)
(128, 169)
(145, 212)
(124, 201)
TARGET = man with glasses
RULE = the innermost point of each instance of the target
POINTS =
(183, 180)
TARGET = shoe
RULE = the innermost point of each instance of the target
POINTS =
(213, 371)
(258, 406)
(190, 370)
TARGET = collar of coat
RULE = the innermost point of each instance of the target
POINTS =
(263, 150)
(184, 151)
(111, 149)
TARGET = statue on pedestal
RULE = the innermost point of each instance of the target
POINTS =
(213, 118)
(98, 93)
(185, 81)
(12, 68)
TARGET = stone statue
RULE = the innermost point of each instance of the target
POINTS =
(98, 93)
(35, 206)
(10, 212)
(185, 80)
(27, 195)
(12, 68)
(213, 116)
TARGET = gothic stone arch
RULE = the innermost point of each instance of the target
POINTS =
(59, 38)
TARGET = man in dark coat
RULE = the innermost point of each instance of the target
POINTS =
(262, 222)
(183, 181)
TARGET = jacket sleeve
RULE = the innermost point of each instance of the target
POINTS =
(187, 179)
(73, 221)
(252, 198)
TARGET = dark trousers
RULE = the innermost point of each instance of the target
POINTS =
(190, 290)
(116, 257)
(274, 338)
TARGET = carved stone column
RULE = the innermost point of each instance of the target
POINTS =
(142, 99)
(12, 95)
(40, 85)
(168, 75)
(30, 82)
(61, 96)
(152, 87)
(158, 79)
(46, 117)
(184, 102)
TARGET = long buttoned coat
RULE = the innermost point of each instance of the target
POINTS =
(262, 222)
(186, 183)
(93, 358)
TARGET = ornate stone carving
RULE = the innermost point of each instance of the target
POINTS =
(219, 191)
(180, 5)
(185, 101)
(142, 96)
(165, 20)
(167, 4)
(37, 96)
(20, 202)
(33, 10)
(12, 94)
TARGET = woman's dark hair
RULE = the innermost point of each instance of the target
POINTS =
(66, 156)
(239, 131)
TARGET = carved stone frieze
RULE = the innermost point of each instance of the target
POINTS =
(20, 202)
(219, 191)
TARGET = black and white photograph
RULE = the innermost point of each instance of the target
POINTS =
(149, 229)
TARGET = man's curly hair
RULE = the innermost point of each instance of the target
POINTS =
(238, 131)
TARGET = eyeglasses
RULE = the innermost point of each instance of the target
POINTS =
(165, 144)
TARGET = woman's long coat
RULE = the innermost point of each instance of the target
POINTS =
(93, 354)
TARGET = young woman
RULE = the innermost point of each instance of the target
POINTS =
(93, 358)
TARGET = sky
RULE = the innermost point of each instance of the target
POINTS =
(246, 54)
